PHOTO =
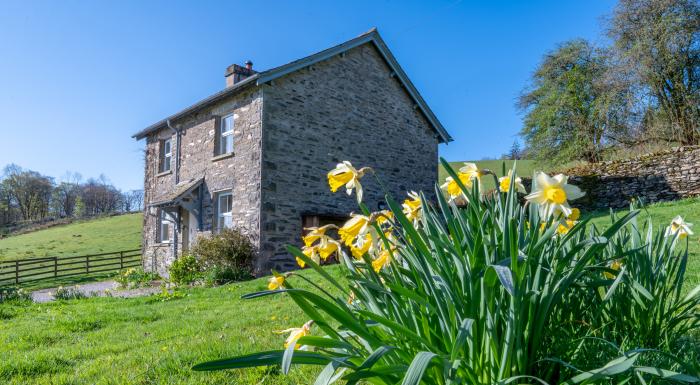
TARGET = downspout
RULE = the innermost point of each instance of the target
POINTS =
(177, 180)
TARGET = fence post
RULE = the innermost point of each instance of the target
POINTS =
(17, 272)
(55, 267)
(121, 260)
(87, 264)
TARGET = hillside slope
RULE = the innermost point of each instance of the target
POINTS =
(86, 237)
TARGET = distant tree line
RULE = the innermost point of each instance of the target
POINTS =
(28, 196)
(642, 91)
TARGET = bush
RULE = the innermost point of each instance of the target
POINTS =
(135, 277)
(185, 270)
(68, 293)
(12, 294)
(216, 275)
(230, 252)
(480, 289)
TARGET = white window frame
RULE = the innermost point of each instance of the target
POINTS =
(164, 224)
(221, 216)
(225, 135)
(166, 156)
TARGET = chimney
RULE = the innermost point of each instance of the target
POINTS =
(235, 74)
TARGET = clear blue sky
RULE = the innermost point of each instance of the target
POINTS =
(78, 78)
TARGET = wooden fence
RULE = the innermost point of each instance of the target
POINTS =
(15, 272)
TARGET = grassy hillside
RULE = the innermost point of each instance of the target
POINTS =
(525, 168)
(86, 237)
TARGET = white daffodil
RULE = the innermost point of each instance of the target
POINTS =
(344, 174)
(471, 170)
(357, 226)
(680, 227)
(412, 207)
(453, 189)
(552, 194)
(295, 334)
(504, 183)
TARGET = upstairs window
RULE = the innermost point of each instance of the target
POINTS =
(224, 207)
(226, 135)
(165, 155)
(164, 223)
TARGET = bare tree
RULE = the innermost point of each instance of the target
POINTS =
(30, 191)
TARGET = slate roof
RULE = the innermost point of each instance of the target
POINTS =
(274, 73)
(171, 198)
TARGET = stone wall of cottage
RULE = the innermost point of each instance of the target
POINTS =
(239, 172)
(655, 177)
(345, 108)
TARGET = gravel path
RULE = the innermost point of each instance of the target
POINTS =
(98, 289)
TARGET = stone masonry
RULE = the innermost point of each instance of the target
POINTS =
(655, 177)
(288, 133)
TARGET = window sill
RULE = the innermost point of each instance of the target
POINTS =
(222, 156)
(164, 173)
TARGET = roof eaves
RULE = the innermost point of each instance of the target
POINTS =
(251, 80)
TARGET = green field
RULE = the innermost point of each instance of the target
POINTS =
(525, 168)
(121, 232)
(145, 341)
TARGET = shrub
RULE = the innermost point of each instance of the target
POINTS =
(229, 251)
(135, 277)
(185, 270)
(68, 293)
(12, 294)
(482, 289)
(222, 275)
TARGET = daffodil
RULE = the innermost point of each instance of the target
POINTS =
(614, 265)
(295, 334)
(344, 174)
(359, 249)
(471, 170)
(504, 183)
(311, 252)
(453, 189)
(384, 217)
(327, 247)
(680, 227)
(564, 227)
(552, 194)
(383, 260)
(315, 233)
(575, 214)
(412, 207)
(357, 226)
(275, 282)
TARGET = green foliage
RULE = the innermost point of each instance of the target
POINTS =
(571, 108)
(166, 295)
(135, 277)
(185, 270)
(230, 251)
(12, 294)
(481, 294)
(216, 275)
(68, 293)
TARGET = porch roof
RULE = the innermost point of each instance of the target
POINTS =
(175, 197)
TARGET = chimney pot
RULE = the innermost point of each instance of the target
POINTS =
(235, 74)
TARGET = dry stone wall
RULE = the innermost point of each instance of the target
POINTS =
(655, 177)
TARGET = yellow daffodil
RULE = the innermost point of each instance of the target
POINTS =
(471, 170)
(680, 227)
(564, 227)
(504, 183)
(357, 226)
(327, 247)
(453, 189)
(295, 334)
(382, 260)
(315, 233)
(384, 217)
(615, 265)
(412, 207)
(359, 249)
(575, 214)
(552, 194)
(275, 282)
(344, 174)
(351, 298)
(311, 252)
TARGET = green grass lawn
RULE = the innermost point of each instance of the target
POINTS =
(122, 232)
(142, 341)
(524, 168)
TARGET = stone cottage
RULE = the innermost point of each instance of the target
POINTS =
(254, 156)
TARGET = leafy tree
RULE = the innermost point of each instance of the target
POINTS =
(659, 40)
(573, 105)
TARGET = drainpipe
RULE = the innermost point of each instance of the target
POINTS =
(177, 180)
